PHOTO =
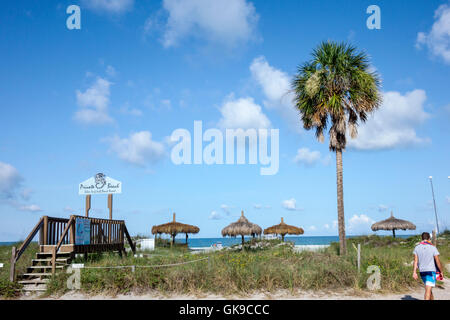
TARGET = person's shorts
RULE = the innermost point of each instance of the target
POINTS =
(429, 278)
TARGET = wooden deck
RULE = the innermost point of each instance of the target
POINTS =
(57, 236)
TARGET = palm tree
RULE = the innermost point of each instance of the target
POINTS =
(336, 87)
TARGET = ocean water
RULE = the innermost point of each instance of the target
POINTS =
(207, 242)
(318, 240)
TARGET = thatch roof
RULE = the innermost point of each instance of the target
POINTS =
(242, 227)
(174, 228)
(283, 229)
(393, 224)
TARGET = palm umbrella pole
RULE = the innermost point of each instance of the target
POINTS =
(392, 224)
(173, 228)
(283, 229)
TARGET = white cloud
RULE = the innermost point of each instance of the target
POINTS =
(360, 224)
(276, 86)
(394, 124)
(10, 180)
(333, 225)
(109, 6)
(111, 71)
(215, 216)
(230, 22)
(127, 110)
(382, 208)
(260, 206)
(94, 103)
(30, 208)
(69, 209)
(438, 39)
(166, 103)
(138, 149)
(448, 199)
(290, 204)
(307, 157)
(242, 113)
(26, 193)
(226, 208)
(312, 228)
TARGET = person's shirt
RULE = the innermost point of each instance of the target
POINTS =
(425, 254)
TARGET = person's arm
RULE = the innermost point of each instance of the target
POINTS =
(439, 265)
(416, 260)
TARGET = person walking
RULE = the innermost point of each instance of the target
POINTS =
(426, 259)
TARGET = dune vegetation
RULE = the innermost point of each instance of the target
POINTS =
(263, 265)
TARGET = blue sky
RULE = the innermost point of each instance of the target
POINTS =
(106, 98)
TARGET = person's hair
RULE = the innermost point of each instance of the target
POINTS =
(425, 236)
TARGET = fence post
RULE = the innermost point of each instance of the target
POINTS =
(12, 271)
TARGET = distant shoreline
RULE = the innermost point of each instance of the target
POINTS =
(207, 242)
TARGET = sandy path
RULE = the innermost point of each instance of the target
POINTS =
(440, 293)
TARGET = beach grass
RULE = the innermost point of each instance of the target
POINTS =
(8, 289)
(240, 272)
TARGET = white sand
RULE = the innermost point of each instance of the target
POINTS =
(310, 247)
(440, 293)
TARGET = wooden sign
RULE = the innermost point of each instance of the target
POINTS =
(100, 184)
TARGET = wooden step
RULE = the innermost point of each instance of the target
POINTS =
(34, 288)
(37, 274)
(34, 281)
(50, 260)
(49, 254)
(45, 267)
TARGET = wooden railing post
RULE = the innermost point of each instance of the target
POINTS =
(109, 231)
(54, 260)
(45, 230)
(72, 230)
(12, 270)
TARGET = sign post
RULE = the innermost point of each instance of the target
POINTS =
(110, 205)
(100, 184)
(88, 204)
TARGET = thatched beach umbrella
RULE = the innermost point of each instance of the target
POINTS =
(283, 229)
(173, 228)
(393, 224)
(241, 227)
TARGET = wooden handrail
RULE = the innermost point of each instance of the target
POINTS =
(133, 247)
(51, 236)
(16, 254)
(28, 240)
(102, 220)
(64, 234)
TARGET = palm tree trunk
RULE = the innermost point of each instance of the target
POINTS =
(340, 203)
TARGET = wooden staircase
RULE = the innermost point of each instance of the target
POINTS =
(39, 273)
